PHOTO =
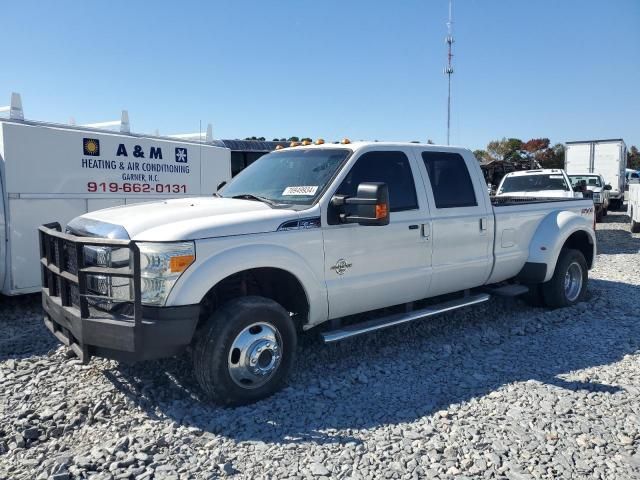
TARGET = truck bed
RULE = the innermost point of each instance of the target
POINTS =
(517, 219)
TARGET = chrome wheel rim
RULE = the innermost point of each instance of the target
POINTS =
(255, 355)
(573, 281)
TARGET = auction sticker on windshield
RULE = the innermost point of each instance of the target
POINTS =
(304, 190)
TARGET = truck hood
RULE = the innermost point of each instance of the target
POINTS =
(182, 219)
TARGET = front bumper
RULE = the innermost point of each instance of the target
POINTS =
(132, 333)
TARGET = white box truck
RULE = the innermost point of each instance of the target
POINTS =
(51, 171)
(605, 157)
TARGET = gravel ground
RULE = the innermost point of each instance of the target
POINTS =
(502, 390)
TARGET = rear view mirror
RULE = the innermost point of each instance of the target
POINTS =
(372, 202)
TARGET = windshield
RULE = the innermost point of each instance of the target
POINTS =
(534, 183)
(589, 180)
(292, 176)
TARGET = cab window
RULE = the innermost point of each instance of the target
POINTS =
(450, 180)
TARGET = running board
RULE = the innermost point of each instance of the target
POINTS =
(511, 290)
(398, 318)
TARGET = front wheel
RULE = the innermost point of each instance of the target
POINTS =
(569, 282)
(245, 351)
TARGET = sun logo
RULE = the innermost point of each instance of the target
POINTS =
(91, 146)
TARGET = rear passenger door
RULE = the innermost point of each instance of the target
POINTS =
(370, 267)
(461, 221)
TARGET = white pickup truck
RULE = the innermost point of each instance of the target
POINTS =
(306, 236)
(633, 207)
(548, 183)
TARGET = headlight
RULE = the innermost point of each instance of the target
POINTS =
(117, 288)
(597, 198)
(161, 264)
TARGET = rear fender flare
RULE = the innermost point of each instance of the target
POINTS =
(551, 235)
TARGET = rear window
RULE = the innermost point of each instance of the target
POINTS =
(534, 183)
(587, 180)
(450, 180)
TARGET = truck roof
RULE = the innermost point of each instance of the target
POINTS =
(363, 144)
(584, 174)
(538, 171)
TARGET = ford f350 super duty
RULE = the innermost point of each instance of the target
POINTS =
(306, 236)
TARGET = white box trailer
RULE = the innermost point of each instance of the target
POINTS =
(605, 157)
(57, 172)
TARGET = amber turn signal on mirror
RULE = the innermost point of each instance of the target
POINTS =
(381, 211)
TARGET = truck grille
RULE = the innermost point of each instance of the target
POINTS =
(96, 276)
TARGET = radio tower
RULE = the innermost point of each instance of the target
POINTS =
(448, 70)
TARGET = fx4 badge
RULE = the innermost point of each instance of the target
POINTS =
(341, 266)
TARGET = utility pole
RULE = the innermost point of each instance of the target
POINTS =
(448, 70)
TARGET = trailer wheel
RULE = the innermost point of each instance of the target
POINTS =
(569, 282)
(245, 351)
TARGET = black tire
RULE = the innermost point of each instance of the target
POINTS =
(615, 204)
(599, 215)
(554, 292)
(635, 226)
(534, 296)
(605, 211)
(213, 359)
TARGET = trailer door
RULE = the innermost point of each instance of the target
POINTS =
(578, 158)
(607, 162)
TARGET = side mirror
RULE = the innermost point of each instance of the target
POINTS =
(372, 205)
(607, 187)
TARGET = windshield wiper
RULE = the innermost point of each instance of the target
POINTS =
(249, 196)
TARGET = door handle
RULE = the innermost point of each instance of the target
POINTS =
(483, 224)
(413, 227)
(426, 231)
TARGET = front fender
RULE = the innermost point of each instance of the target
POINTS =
(552, 234)
(194, 284)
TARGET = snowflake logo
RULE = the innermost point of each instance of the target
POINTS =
(181, 155)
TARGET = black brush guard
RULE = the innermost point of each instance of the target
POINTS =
(142, 333)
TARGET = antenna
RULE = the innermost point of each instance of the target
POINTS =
(448, 70)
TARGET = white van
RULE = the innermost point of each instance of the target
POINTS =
(56, 172)
(605, 157)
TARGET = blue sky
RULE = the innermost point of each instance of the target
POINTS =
(567, 70)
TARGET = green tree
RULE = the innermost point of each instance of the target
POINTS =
(482, 155)
(293, 139)
(552, 157)
(504, 149)
(633, 158)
